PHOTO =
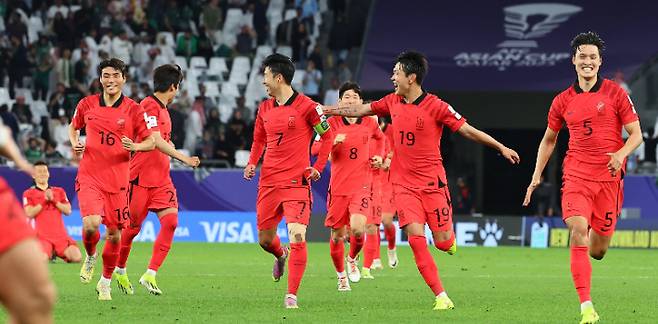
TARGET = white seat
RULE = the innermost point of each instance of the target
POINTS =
(217, 65)
(263, 51)
(212, 88)
(241, 64)
(230, 90)
(274, 19)
(290, 14)
(232, 24)
(4, 96)
(26, 93)
(285, 50)
(241, 158)
(226, 106)
(275, 6)
(298, 79)
(198, 62)
(182, 62)
(39, 109)
(192, 87)
(238, 77)
(34, 27)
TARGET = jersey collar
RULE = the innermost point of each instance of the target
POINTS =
(595, 88)
(37, 187)
(347, 122)
(418, 100)
(158, 101)
(116, 104)
(290, 101)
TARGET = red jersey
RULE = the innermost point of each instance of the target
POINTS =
(286, 132)
(350, 160)
(417, 129)
(49, 222)
(595, 120)
(388, 147)
(151, 169)
(378, 147)
(105, 162)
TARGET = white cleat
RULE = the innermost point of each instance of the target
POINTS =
(353, 270)
(377, 264)
(344, 284)
(87, 269)
(392, 258)
(290, 301)
(103, 291)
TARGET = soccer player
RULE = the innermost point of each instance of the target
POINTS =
(46, 204)
(349, 197)
(387, 206)
(151, 187)
(371, 258)
(419, 180)
(594, 110)
(102, 182)
(26, 290)
(284, 125)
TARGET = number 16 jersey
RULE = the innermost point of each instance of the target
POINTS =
(105, 163)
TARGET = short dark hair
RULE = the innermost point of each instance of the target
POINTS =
(588, 38)
(349, 85)
(413, 62)
(165, 76)
(115, 63)
(280, 64)
(40, 162)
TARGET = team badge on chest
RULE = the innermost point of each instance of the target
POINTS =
(121, 123)
(420, 123)
(600, 107)
(291, 122)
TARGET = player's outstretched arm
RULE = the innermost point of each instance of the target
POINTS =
(546, 147)
(9, 149)
(166, 148)
(634, 140)
(348, 110)
(481, 137)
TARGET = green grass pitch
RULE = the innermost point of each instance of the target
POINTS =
(231, 283)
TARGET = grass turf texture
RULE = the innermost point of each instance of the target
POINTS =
(228, 283)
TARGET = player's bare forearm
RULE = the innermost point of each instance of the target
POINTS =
(479, 136)
(10, 150)
(544, 152)
(167, 148)
(74, 135)
(65, 208)
(32, 211)
(348, 111)
(634, 139)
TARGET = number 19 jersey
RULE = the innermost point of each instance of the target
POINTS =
(417, 129)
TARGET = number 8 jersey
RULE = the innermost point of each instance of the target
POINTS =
(105, 163)
(417, 129)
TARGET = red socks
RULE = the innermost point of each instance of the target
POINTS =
(296, 266)
(168, 224)
(274, 247)
(110, 257)
(389, 232)
(127, 236)
(337, 252)
(425, 263)
(370, 252)
(356, 244)
(581, 271)
(90, 241)
(445, 245)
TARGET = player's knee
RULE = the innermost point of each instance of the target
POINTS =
(579, 236)
(597, 254)
(297, 232)
(265, 240)
(357, 232)
(169, 223)
(40, 301)
(74, 255)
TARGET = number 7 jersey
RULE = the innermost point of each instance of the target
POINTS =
(105, 163)
(417, 129)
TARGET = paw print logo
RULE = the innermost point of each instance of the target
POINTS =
(491, 234)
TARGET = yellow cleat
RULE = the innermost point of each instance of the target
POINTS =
(589, 315)
(365, 274)
(443, 303)
(148, 281)
(103, 291)
(87, 270)
(124, 283)
(453, 248)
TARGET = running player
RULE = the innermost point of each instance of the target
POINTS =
(285, 125)
(46, 204)
(151, 187)
(26, 290)
(371, 248)
(419, 180)
(103, 177)
(387, 205)
(349, 197)
(594, 110)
